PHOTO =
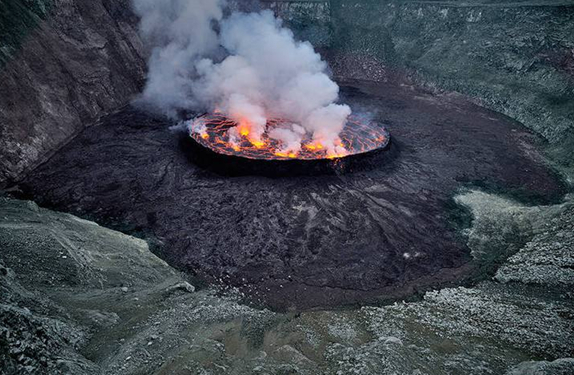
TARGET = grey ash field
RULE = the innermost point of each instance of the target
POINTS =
(124, 251)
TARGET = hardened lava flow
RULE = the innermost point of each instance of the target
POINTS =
(213, 147)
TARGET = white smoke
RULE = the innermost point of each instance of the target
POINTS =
(264, 73)
(180, 33)
(290, 138)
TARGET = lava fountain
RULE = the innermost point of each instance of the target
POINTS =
(224, 136)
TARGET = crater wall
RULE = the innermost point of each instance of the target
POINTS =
(516, 57)
(63, 63)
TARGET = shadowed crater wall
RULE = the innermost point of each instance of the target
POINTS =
(63, 64)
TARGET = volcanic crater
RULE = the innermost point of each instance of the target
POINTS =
(208, 146)
(380, 229)
(359, 136)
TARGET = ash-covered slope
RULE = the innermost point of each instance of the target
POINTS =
(63, 63)
(79, 298)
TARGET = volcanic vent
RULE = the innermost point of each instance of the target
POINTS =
(224, 136)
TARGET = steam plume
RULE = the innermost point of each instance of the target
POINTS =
(250, 69)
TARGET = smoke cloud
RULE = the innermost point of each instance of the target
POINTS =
(245, 65)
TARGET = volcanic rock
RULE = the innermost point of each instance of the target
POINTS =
(52, 329)
(379, 232)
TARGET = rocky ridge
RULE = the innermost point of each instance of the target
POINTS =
(78, 62)
(100, 302)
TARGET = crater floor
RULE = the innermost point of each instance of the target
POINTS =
(382, 231)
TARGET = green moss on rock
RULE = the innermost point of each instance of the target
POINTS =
(17, 18)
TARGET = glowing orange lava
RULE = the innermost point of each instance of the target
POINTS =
(212, 131)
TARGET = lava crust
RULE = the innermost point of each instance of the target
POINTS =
(304, 242)
(210, 149)
(358, 137)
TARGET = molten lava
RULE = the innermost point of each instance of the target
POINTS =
(224, 136)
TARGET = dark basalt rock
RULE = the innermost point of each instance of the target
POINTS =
(63, 64)
(230, 165)
(305, 241)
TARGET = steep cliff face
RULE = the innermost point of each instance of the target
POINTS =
(17, 19)
(65, 64)
(516, 57)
